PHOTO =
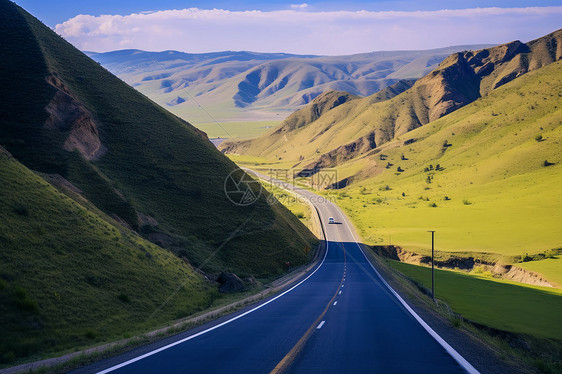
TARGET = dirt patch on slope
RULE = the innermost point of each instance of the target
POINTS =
(468, 264)
(66, 114)
(60, 182)
(344, 153)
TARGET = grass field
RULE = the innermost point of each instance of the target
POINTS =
(503, 305)
(236, 130)
(495, 218)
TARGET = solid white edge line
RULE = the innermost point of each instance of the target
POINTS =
(123, 364)
(450, 350)
(320, 325)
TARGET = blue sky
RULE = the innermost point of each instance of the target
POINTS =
(310, 27)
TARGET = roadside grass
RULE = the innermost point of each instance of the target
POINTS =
(294, 203)
(249, 161)
(236, 130)
(505, 217)
(503, 305)
(98, 282)
(524, 353)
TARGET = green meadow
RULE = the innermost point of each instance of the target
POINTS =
(236, 130)
(503, 305)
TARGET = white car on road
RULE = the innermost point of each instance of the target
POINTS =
(331, 220)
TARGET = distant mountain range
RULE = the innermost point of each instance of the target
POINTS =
(357, 126)
(238, 86)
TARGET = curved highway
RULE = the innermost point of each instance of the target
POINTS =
(342, 318)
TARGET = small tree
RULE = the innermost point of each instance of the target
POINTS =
(539, 138)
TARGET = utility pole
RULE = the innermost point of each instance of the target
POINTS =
(432, 264)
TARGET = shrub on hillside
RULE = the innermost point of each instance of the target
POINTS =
(21, 209)
(526, 258)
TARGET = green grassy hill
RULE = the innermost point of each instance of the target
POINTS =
(483, 166)
(359, 126)
(70, 278)
(304, 122)
(64, 114)
(476, 175)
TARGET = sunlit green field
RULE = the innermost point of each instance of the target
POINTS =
(510, 216)
(236, 130)
(503, 305)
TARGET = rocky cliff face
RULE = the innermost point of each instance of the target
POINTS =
(68, 115)
(465, 76)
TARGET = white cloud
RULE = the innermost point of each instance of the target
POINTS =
(335, 32)
(299, 6)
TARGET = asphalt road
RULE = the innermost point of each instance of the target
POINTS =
(342, 318)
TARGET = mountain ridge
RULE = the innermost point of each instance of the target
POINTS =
(357, 127)
(239, 85)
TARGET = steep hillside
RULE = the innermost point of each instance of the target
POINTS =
(64, 114)
(247, 86)
(277, 137)
(69, 277)
(485, 177)
(360, 126)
